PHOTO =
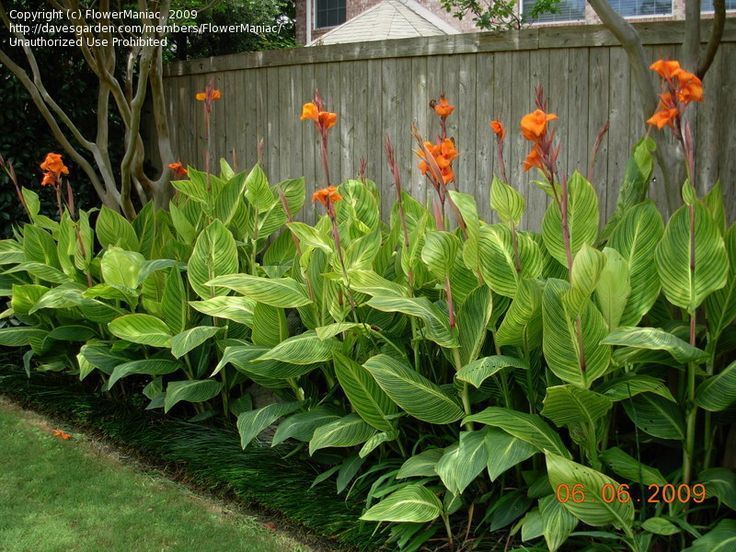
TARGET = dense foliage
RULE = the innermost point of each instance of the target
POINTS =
(569, 387)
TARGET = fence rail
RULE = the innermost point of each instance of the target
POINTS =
(380, 88)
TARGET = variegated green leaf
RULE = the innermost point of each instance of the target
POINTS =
(582, 218)
(229, 307)
(302, 349)
(252, 422)
(214, 255)
(367, 398)
(413, 504)
(479, 370)
(572, 345)
(530, 428)
(718, 392)
(149, 367)
(141, 328)
(683, 286)
(593, 510)
(348, 431)
(193, 391)
(190, 339)
(462, 462)
(277, 292)
(414, 393)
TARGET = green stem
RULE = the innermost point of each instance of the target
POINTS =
(225, 394)
(708, 431)
(298, 391)
(465, 391)
(414, 343)
(448, 529)
(689, 450)
(254, 251)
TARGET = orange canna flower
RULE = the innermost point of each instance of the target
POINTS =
(59, 434)
(327, 119)
(498, 129)
(53, 163)
(327, 196)
(323, 119)
(49, 179)
(443, 154)
(534, 159)
(211, 94)
(663, 117)
(690, 87)
(442, 107)
(310, 111)
(178, 169)
(53, 167)
(667, 69)
(534, 124)
(666, 113)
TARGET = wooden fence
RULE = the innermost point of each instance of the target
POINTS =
(379, 88)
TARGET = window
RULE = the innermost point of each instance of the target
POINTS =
(635, 8)
(567, 10)
(707, 5)
(329, 13)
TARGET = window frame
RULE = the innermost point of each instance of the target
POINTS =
(713, 11)
(315, 25)
(650, 17)
(556, 22)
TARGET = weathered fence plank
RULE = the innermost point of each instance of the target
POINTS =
(381, 88)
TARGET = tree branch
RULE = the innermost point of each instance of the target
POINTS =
(691, 41)
(109, 199)
(714, 41)
(631, 43)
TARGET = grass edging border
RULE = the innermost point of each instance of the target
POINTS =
(207, 457)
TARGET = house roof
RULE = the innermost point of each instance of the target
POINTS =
(388, 20)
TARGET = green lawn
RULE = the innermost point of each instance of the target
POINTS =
(74, 495)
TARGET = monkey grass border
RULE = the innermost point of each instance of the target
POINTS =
(205, 456)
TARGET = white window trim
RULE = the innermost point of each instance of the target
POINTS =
(584, 19)
(556, 21)
(654, 15)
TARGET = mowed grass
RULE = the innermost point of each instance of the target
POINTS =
(75, 495)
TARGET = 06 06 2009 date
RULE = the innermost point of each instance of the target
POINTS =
(610, 493)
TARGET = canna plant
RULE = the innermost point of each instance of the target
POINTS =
(465, 377)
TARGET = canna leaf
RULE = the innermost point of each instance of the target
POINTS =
(348, 431)
(479, 370)
(214, 255)
(655, 339)
(681, 286)
(593, 510)
(190, 339)
(252, 422)
(530, 428)
(573, 346)
(582, 219)
(141, 328)
(193, 391)
(462, 462)
(718, 392)
(367, 398)
(276, 292)
(411, 391)
(412, 504)
(636, 238)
